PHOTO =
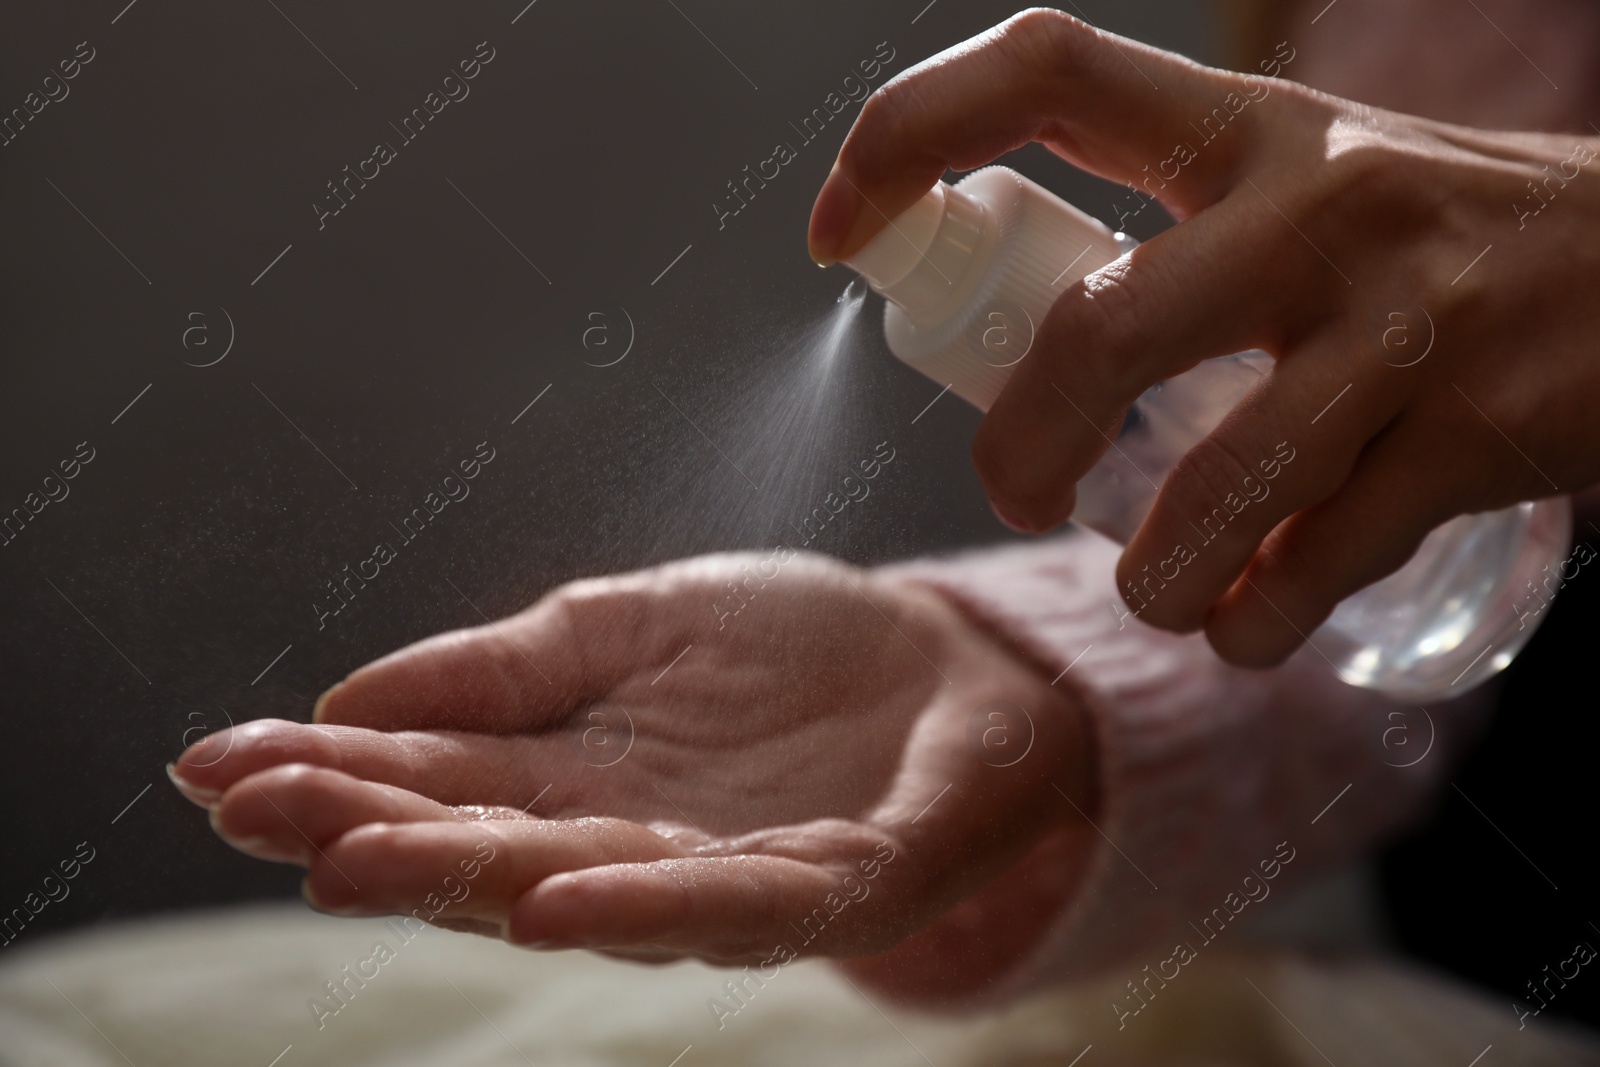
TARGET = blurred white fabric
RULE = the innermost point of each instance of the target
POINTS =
(233, 987)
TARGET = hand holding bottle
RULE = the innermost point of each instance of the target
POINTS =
(1421, 286)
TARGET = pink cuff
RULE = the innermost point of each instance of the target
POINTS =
(1206, 771)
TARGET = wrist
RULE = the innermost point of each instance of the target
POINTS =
(954, 961)
(1057, 732)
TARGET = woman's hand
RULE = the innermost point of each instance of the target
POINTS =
(711, 758)
(1427, 289)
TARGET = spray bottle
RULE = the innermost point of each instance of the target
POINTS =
(968, 272)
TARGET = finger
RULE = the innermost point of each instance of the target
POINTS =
(1365, 532)
(574, 646)
(381, 869)
(1185, 296)
(287, 813)
(1289, 444)
(1110, 105)
(215, 762)
(725, 908)
(505, 675)
(452, 768)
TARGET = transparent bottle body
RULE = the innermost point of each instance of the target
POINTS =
(1453, 616)
(964, 313)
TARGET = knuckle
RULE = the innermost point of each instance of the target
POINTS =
(1106, 323)
(1365, 170)
(896, 120)
(1458, 303)
(875, 142)
(1025, 51)
(1209, 477)
(1039, 20)
(1041, 29)
(584, 609)
(885, 104)
(1372, 185)
(574, 597)
(1296, 576)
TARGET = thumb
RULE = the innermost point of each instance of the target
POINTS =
(501, 677)
(1114, 107)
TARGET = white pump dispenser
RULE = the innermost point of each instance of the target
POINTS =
(969, 271)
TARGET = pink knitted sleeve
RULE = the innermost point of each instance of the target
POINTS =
(1208, 774)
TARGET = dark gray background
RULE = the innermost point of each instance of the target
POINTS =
(396, 339)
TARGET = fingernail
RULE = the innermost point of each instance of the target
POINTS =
(543, 940)
(832, 218)
(322, 701)
(1007, 520)
(310, 898)
(194, 793)
(348, 911)
(261, 848)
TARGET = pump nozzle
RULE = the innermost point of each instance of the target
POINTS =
(920, 259)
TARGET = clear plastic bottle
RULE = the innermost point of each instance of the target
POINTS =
(969, 271)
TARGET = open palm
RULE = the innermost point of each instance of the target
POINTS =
(683, 760)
